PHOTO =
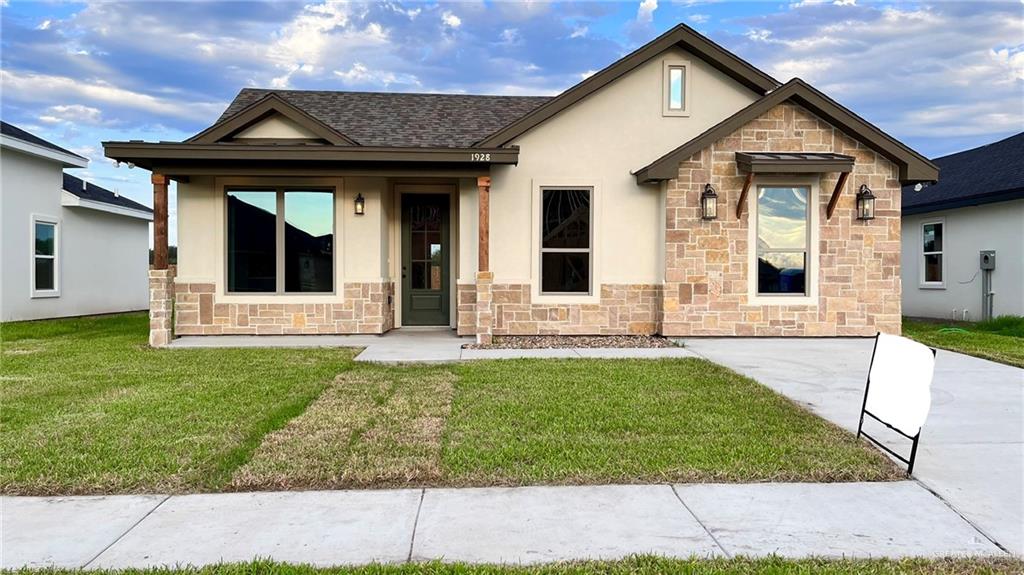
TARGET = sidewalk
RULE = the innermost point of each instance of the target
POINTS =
(415, 345)
(488, 525)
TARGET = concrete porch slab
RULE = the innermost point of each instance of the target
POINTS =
(541, 524)
(899, 519)
(320, 528)
(66, 531)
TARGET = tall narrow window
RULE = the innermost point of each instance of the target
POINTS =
(675, 88)
(783, 221)
(676, 78)
(565, 241)
(308, 241)
(44, 258)
(931, 249)
(252, 241)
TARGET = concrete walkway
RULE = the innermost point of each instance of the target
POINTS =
(491, 525)
(971, 446)
(418, 345)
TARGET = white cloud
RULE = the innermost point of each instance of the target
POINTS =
(450, 20)
(75, 113)
(587, 74)
(360, 74)
(579, 32)
(699, 18)
(645, 12)
(511, 37)
(44, 25)
(29, 87)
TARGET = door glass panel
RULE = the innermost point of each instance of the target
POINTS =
(252, 241)
(419, 275)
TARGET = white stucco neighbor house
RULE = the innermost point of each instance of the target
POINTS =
(67, 247)
(963, 237)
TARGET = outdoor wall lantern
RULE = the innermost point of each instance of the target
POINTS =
(865, 203)
(360, 205)
(709, 203)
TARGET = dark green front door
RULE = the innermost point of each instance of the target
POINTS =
(425, 259)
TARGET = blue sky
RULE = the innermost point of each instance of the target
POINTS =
(942, 76)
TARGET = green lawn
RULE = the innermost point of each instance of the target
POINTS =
(1000, 339)
(89, 408)
(641, 565)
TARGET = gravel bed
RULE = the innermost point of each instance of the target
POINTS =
(572, 341)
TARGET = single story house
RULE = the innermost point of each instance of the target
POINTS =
(963, 238)
(67, 247)
(679, 191)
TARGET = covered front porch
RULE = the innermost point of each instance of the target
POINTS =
(318, 246)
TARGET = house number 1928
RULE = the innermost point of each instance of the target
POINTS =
(480, 157)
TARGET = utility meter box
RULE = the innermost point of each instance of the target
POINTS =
(988, 260)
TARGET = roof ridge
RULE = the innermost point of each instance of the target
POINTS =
(981, 147)
(378, 93)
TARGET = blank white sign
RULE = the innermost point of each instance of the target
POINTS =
(899, 385)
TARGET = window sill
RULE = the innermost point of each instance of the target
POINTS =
(941, 286)
(566, 299)
(271, 298)
(781, 300)
(45, 294)
(675, 113)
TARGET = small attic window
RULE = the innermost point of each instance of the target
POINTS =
(676, 88)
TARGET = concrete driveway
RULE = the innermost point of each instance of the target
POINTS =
(972, 446)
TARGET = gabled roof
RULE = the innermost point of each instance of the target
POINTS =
(94, 193)
(269, 105)
(913, 166)
(383, 119)
(988, 174)
(68, 158)
(681, 35)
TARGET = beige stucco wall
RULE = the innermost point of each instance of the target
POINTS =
(597, 142)
(276, 127)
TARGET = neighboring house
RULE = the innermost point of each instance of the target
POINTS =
(67, 248)
(978, 206)
(349, 212)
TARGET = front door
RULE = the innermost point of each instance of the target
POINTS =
(425, 259)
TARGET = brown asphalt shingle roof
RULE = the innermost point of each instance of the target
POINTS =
(402, 120)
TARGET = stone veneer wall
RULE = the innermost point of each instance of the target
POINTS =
(706, 263)
(624, 309)
(366, 308)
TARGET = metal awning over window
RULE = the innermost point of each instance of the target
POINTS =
(793, 162)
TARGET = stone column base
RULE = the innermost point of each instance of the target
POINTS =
(484, 310)
(161, 306)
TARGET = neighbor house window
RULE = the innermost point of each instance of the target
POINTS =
(932, 254)
(280, 241)
(45, 269)
(676, 88)
(565, 262)
(783, 240)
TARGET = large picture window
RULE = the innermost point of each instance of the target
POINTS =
(44, 257)
(565, 266)
(783, 240)
(280, 241)
(932, 253)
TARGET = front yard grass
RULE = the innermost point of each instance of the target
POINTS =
(89, 408)
(1000, 339)
(637, 565)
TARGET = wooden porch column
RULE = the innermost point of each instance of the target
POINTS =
(484, 275)
(159, 221)
(483, 184)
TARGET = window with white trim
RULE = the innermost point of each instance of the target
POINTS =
(45, 274)
(932, 253)
(783, 239)
(565, 242)
(676, 88)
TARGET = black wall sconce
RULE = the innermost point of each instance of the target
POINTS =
(865, 203)
(709, 203)
(360, 205)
